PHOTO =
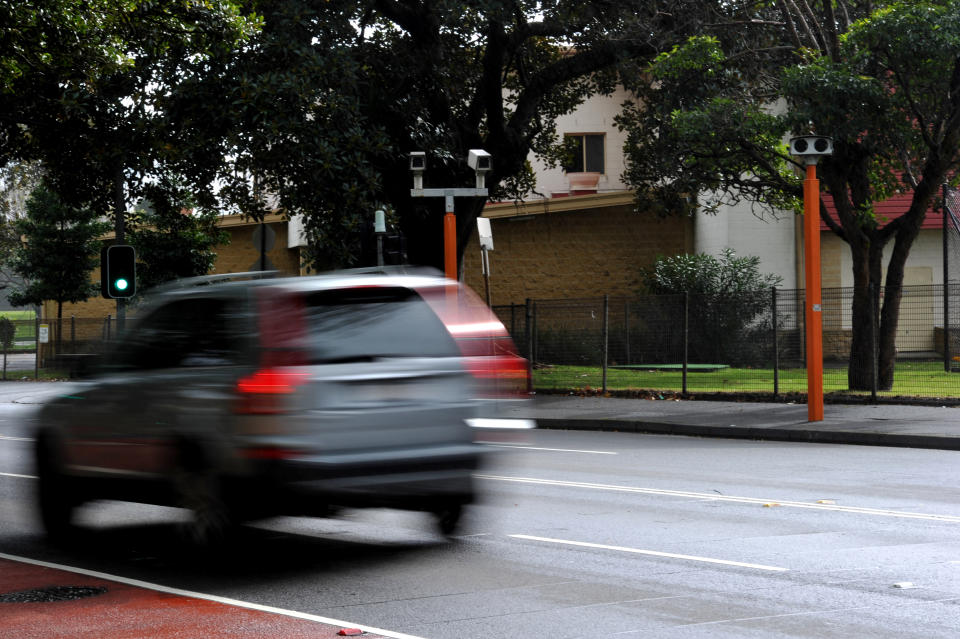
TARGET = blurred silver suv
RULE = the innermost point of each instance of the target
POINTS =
(248, 399)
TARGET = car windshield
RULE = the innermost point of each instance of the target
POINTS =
(375, 322)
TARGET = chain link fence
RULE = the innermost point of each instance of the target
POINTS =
(749, 343)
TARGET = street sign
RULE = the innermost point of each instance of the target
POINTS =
(486, 235)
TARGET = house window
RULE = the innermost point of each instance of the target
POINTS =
(587, 152)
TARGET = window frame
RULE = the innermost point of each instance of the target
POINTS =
(584, 157)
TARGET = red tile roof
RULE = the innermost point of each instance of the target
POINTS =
(888, 210)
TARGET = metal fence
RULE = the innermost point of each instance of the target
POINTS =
(64, 347)
(750, 343)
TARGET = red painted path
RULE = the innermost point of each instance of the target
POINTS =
(127, 611)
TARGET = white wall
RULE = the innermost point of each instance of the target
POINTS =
(595, 115)
(750, 231)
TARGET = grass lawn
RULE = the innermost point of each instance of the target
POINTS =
(18, 315)
(916, 379)
(25, 337)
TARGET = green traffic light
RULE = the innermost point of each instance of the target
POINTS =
(120, 285)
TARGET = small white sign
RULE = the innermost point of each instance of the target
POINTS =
(486, 235)
(816, 308)
(44, 335)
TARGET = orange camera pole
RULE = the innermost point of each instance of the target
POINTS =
(813, 313)
(450, 243)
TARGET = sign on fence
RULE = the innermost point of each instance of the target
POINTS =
(43, 335)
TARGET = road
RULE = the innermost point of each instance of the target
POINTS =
(584, 535)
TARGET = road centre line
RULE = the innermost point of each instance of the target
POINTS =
(719, 497)
(16, 439)
(654, 553)
(556, 450)
(214, 598)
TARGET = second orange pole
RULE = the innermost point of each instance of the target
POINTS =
(813, 310)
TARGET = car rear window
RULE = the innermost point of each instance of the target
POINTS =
(367, 323)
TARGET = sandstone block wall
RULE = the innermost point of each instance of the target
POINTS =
(573, 254)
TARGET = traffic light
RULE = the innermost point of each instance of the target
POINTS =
(395, 249)
(118, 271)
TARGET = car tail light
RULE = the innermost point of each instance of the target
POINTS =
(489, 353)
(501, 376)
(264, 391)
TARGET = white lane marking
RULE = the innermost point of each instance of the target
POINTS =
(214, 598)
(719, 497)
(654, 553)
(556, 450)
(16, 439)
(18, 476)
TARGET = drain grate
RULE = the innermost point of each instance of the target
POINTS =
(51, 594)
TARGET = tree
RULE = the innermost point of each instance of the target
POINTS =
(80, 85)
(324, 103)
(60, 251)
(171, 238)
(17, 181)
(886, 87)
(728, 299)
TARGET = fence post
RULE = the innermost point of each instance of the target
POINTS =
(947, 365)
(776, 341)
(513, 320)
(686, 337)
(36, 343)
(874, 354)
(626, 329)
(799, 304)
(606, 337)
(73, 333)
(528, 329)
(535, 330)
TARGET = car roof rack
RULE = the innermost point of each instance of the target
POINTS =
(206, 280)
(387, 269)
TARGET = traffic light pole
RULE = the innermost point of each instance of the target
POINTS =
(119, 234)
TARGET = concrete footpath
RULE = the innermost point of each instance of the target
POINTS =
(865, 424)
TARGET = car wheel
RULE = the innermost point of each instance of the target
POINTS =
(199, 491)
(57, 498)
(448, 518)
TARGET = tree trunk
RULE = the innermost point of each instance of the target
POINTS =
(860, 369)
(59, 342)
(867, 254)
(893, 293)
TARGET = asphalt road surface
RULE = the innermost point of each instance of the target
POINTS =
(581, 535)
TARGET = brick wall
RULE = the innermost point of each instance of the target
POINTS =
(580, 253)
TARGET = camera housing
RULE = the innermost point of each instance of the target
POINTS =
(418, 161)
(811, 145)
(479, 160)
(418, 164)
